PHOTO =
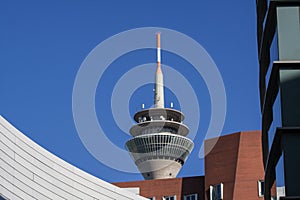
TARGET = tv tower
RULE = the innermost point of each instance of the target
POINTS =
(159, 146)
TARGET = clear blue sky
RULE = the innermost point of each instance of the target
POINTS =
(43, 44)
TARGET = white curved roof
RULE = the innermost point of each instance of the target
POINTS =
(28, 171)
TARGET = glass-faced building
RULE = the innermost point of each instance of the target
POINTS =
(278, 39)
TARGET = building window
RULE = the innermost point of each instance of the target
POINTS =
(152, 198)
(169, 197)
(261, 188)
(191, 197)
(216, 192)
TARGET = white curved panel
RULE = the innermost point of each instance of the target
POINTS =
(28, 171)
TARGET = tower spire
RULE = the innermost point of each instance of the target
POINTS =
(159, 80)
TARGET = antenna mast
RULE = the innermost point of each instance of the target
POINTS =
(159, 81)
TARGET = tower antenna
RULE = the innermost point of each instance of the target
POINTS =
(159, 80)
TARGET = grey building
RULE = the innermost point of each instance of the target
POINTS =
(278, 39)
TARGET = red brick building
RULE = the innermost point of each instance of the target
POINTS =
(170, 189)
(235, 161)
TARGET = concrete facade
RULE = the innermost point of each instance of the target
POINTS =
(28, 171)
